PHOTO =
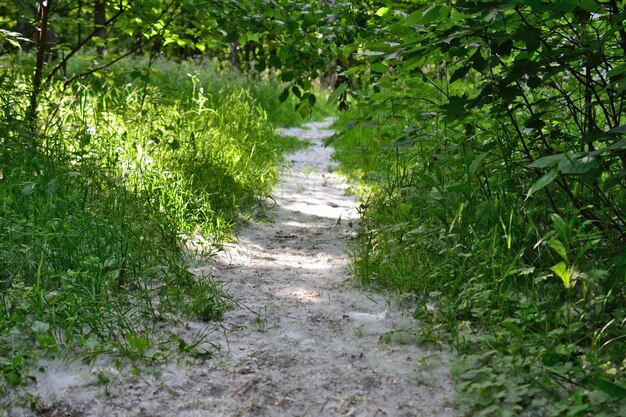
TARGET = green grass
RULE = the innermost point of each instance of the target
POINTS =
(99, 204)
(448, 226)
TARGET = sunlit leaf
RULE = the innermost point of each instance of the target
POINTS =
(563, 272)
(382, 11)
(338, 91)
(137, 343)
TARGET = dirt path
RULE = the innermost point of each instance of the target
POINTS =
(309, 341)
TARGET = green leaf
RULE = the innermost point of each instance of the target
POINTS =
(424, 17)
(455, 108)
(551, 359)
(559, 248)
(618, 70)
(542, 182)
(253, 37)
(510, 326)
(593, 135)
(590, 6)
(304, 110)
(477, 162)
(619, 130)
(478, 62)
(137, 343)
(283, 96)
(502, 45)
(579, 163)
(427, 179)
(509, 93)
(351, 71)
(378, 67)
(338, 91)
(534, 82)
(370, 53)
(594, 60)
(460, 73)
(563, 272)
(535, 122)
(547, 161)
(610, 388)
(28, 189)
(613, 180)
(565, 5)
(287, 76)
(435, 194)
(382, 11)
(40, 327)
(275, 61)
(531, 36)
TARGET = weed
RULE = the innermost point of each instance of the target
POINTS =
(359, 330)
(519, 290)
(260, 320)
(100, 201)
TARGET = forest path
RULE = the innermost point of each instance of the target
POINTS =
(308, 341)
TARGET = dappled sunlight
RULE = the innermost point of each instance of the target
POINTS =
(302, 295)
(322, 210)
(298, 326)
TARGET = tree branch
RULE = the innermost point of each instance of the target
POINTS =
(82, 43)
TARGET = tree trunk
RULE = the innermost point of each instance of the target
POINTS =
(99, 22)
(234, 52)
(44, 9)
(79, 28)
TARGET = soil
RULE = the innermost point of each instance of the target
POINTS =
(303, 340)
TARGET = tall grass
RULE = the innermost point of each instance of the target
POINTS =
(98, 203)
(452, 228)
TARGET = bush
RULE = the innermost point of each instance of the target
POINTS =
(100, 201)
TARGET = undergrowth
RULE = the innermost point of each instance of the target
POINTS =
(100, 202)
(451, 228)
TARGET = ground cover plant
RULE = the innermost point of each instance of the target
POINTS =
(133, 138)
(490, 141)
(489, 136)
(100, 202)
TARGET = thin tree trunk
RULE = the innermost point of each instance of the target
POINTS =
(99, 22)
(79, 28)
(234, 52)
(44, 8)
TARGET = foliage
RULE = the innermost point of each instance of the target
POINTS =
(127, 172)
(488, 136)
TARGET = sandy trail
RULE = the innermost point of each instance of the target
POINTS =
(307, 342)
